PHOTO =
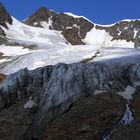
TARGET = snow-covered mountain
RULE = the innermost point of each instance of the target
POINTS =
(79, 26)
(77, 59)
(51, 38)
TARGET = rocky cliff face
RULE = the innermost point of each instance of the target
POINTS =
(57, 87)
(4, 18)
(79, 26)
(123, 30)
(137, 40)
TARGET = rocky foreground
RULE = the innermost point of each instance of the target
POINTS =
(88, 119)
(70, 89)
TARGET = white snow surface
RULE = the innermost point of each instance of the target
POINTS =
(30, 104)
(127, 94)
(102, 38)
(13, 50)
(52, 48)
(33, 35)
(46, 25)
(76, 16)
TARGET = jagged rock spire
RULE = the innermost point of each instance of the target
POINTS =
(4, 16)
(42, 14)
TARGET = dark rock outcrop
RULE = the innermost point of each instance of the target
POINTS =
(88, 119)
(72, 36)
(4, 18)
(15, 121)
(42, 14)
(2, 37)
(2, 77)
(3, 40)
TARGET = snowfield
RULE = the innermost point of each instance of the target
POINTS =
(52, 48)
(22, 33)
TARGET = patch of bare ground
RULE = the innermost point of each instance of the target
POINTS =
(2, 77)
(86, 60)
(1, 56)
(15, 44)
(88, 119)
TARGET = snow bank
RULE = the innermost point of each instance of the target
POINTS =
(102, 38)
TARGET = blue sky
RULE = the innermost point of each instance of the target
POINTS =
(98, 11)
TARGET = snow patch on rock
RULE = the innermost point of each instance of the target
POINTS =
(127, 94)
(128, 117)
(102, 38)
(30, 104)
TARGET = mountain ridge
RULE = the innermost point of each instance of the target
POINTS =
(121, 30)
(75, 28)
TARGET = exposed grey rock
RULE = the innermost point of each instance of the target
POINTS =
(137, 40)
(31, 104)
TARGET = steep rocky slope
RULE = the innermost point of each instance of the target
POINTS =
(88, 119)
(4, 18)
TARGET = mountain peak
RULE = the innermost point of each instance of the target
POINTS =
(42, 14)
(4, 16)
(43, 10)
